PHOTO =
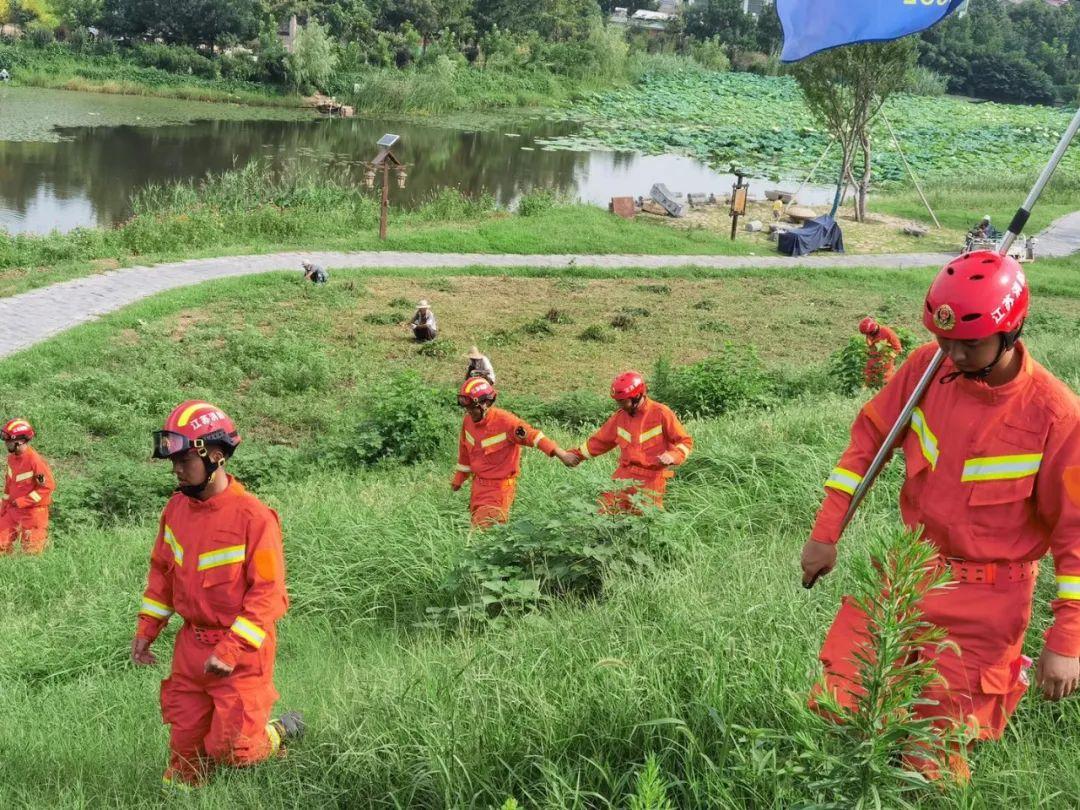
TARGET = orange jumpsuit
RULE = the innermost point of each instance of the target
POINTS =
(218, 564)
(884, 348)
(490, 451)
(24, 513)
(993, 479)
(642, 438)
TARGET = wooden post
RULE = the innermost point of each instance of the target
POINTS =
(385, 199)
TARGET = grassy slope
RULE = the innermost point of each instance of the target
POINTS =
(558, 710)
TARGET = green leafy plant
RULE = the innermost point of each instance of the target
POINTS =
(557, 316)
(595, 333)
(650, 790)
(563, 554)
(539, 327)
(731, 380)
(623, 321)
(655, 289)
(891, 722)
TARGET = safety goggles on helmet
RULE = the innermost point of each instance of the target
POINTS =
(168, 443)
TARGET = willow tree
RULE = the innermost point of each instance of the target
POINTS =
(845, 88)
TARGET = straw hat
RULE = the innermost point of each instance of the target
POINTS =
(423, 304)
(474, 354)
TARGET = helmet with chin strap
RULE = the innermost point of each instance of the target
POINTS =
(976, 296)
(195, 425)
(628, 385)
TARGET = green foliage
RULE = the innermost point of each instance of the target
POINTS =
(922, 81)
(655, 289)
(896, 668)
(575, 409)
(405, 423)
(557, 316)
(384, 318)
(538, 327)
(595, 333)
(624, 321)
(847, 365)
(313, 59)
(650, 792)
(710, 54)
(536, 202)
(437, 349)
(734, 379)
(567, 554)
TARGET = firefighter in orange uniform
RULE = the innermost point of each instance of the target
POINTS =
(218, 563)
(883, 347)
(650, 438)
(489, 450)
(992, 459)
(28, 488)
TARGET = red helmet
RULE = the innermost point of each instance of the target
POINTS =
(977, 295)
(195, 424)
(17, 429)
(475, 389)
(628, 385)
(868, 326)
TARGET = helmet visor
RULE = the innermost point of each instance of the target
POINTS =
(167, 443)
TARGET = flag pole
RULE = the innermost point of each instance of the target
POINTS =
(1015, 227)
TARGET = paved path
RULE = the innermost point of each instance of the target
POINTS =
(33, 316)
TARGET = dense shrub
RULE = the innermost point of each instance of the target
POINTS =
(922, 81)
(406, 423)
(732, 380)
(536, 202)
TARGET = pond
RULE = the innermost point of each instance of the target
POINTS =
(71, 160)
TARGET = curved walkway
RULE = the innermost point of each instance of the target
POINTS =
(33, 316)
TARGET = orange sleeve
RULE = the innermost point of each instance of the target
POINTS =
(867, 433)
(528, 436)
(681, 442)
(156, 607)
(600, 442)
(462, 470)
(266, 599)
(1057, 496)
(41, 494)
(894, 341)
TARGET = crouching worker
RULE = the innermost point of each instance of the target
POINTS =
(489, 450)
(28, 488)
(218, 563)
(992, 457)
(651, 441)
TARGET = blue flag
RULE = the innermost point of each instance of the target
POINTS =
(811, 26)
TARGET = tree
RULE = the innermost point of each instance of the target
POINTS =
(79, 13)
(312, 61)
(845, 88)
(721, 18)
(188, 22)
(769, 34)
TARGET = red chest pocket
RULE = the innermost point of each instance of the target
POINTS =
(220, 569)
(1002, 473)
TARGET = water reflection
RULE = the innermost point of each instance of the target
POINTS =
(88, 177)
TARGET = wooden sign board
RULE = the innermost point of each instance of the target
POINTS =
(738, 201)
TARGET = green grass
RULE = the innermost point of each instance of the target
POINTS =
(702, 662)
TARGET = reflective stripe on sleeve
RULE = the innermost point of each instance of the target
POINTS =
(1068, 587)
(24, 476)
(682, 448)
(624, 435)
(927, 439)
(174, 544)
(1002, 468)
(154, 609)
(222, 556)
(584, 450)
(249, 631)
(469, 439)
(463, 468)
(539, 438)
(844, 480)
(34, 496)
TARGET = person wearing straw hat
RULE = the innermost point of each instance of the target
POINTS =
(479, 366)
(423, 322)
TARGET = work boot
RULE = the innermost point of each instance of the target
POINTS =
(289, 727)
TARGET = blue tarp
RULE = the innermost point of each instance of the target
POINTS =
(815, 234)
(817, 25)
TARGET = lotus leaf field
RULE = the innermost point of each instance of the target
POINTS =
(760, 123)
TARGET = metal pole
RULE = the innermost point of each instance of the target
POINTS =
(385, 200)
(902, 421)
(914, 179)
